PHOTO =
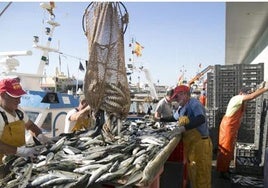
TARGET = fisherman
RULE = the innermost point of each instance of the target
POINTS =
(14, 121)
(203, 97)
(79, 118)
(192, 122)
(230, 125)
(164, 106)
(149, 110)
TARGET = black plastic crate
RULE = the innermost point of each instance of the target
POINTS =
(246, 153)
(250, 170)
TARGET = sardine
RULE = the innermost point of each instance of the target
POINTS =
(133, 179)
(42, 179)
(58, 144)
(87, 167)
(57, 181)
(97, 173)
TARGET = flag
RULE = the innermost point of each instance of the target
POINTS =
(81, 68)
(200, 65)
(137, 49)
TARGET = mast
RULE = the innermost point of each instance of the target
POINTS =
(49, 7)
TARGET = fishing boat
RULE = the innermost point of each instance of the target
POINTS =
(45, 106)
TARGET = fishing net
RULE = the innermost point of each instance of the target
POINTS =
(105, 84)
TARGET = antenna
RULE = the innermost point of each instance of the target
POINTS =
(8, 62)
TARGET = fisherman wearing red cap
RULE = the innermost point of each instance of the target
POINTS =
(192, 122)
(14, 121)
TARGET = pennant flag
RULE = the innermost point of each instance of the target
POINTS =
(138, 49)
(81, 68)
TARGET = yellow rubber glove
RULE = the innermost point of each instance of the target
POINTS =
(183, 120)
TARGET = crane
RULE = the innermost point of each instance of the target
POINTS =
(199, 75)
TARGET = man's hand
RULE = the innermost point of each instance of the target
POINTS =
(43, 139)
(262, 85)
(266, 85)
(183, 120)
(26, 152)
(88, 108)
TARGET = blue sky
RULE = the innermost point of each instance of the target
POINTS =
(176, 36)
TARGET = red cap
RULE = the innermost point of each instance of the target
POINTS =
(180, 88)
(12, 87)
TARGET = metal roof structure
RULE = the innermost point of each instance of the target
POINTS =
(246, 31)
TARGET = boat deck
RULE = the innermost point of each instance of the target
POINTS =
(172, 177)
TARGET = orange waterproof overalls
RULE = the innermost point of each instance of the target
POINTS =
(227, 139)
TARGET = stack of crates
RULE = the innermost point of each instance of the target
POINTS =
(247, 159)
(261, 122)
(224, 83)
(251, 159)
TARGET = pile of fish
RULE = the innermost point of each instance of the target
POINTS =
(78, 160)
(247, 181)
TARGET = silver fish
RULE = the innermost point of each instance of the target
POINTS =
(57, 181)
(112, 157)
(87, 167)
(97, 173)
(42, 179)
(58, 144)
(133, 179)
(111, 175)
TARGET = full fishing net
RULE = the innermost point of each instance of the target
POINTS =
(105, 84)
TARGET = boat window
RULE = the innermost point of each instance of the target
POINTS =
(50, 98)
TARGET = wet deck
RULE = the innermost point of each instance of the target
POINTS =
(172, 171)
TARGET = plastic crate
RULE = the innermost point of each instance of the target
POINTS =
(241, 152)
(251, 170)
(247, 155)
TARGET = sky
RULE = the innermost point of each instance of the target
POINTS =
(178, 37)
